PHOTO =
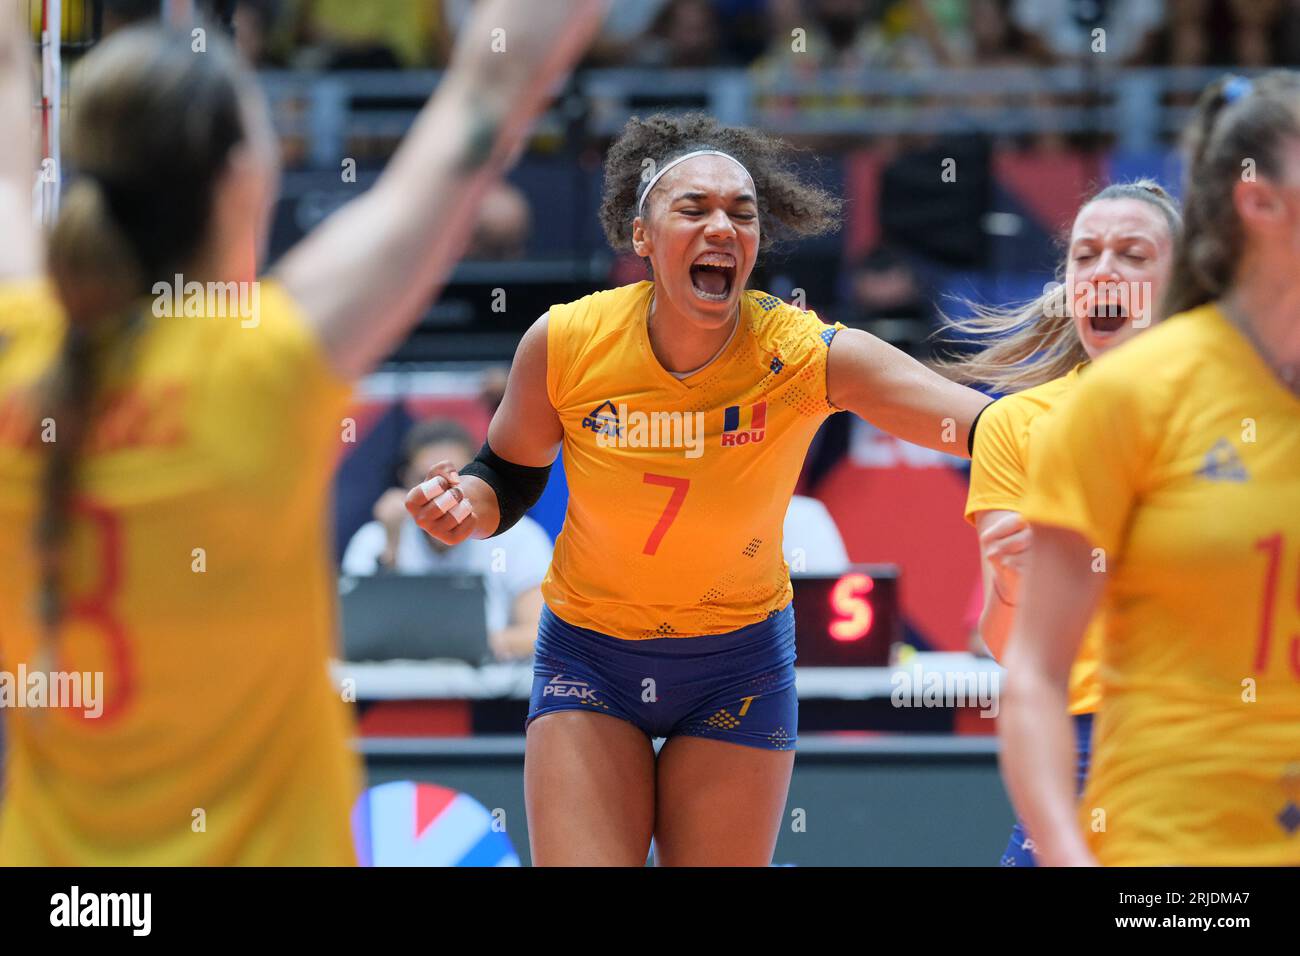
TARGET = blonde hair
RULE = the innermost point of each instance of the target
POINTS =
(1035, 342)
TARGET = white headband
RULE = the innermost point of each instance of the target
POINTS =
(640, 203)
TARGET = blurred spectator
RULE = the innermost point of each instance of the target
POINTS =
(847, 35)
(374, 34)
(1254, 22)
(1188, 35)
(1061, 31)
(994, 41)
(122, 13)
(824, 45)
(625, 25)
(883, 285)
(261, 32)
(745, 28)
(682, 33)
(810, 540)
(1287, 34)
(686, 34)
(1237, 33)
(823, 34)
(512, 564)
(503, 226)
(931, 33)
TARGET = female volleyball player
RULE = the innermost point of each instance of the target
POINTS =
(1117, 267)
(1168, 482)
(173, 470)
(685, 406)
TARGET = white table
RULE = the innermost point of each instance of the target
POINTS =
(456, 680)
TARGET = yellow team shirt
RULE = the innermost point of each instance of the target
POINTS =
(1179, 455)
(198, 585)
(678, 488)
(999, 470)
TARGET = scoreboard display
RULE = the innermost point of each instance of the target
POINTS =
(847, 620)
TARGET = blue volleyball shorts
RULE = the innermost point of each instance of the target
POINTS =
(1020, 849)
(736, 687)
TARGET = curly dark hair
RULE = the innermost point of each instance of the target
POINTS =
(788, 207)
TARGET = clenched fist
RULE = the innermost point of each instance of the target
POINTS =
(439, 506)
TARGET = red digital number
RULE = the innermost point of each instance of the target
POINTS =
(854, 614)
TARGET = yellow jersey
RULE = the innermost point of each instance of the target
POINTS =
(998, 472)
(1178, 457)
(678, 488)
(197, 585)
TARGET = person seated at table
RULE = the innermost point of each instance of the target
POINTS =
(512, 564)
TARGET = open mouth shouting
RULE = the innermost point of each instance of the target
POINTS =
(713, 275)
(1107, 318)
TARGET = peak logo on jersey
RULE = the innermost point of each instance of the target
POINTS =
(654, 430)
(1222, 463)
(603, 420)
(732, 432)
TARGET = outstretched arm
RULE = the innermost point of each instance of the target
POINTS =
(20, 250)
(898, 394)
(365, 274)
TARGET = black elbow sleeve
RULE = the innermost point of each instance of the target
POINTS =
(517, 487)
(970, 438)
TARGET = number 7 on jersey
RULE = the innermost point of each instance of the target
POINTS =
(679, 487)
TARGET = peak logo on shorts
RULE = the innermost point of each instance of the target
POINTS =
(732, 432)
(603, 420)
(561, 686)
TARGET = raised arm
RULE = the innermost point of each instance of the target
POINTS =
(364, 275)
(20, 248)
(525, 435)
(898, 394)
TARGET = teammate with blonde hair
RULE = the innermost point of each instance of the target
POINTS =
(1116, 271)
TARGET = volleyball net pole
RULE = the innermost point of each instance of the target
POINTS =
(49, 179)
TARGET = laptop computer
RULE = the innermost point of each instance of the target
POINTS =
(414, 617)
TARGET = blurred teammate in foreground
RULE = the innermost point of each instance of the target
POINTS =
(163, 478)
(1165, 489)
